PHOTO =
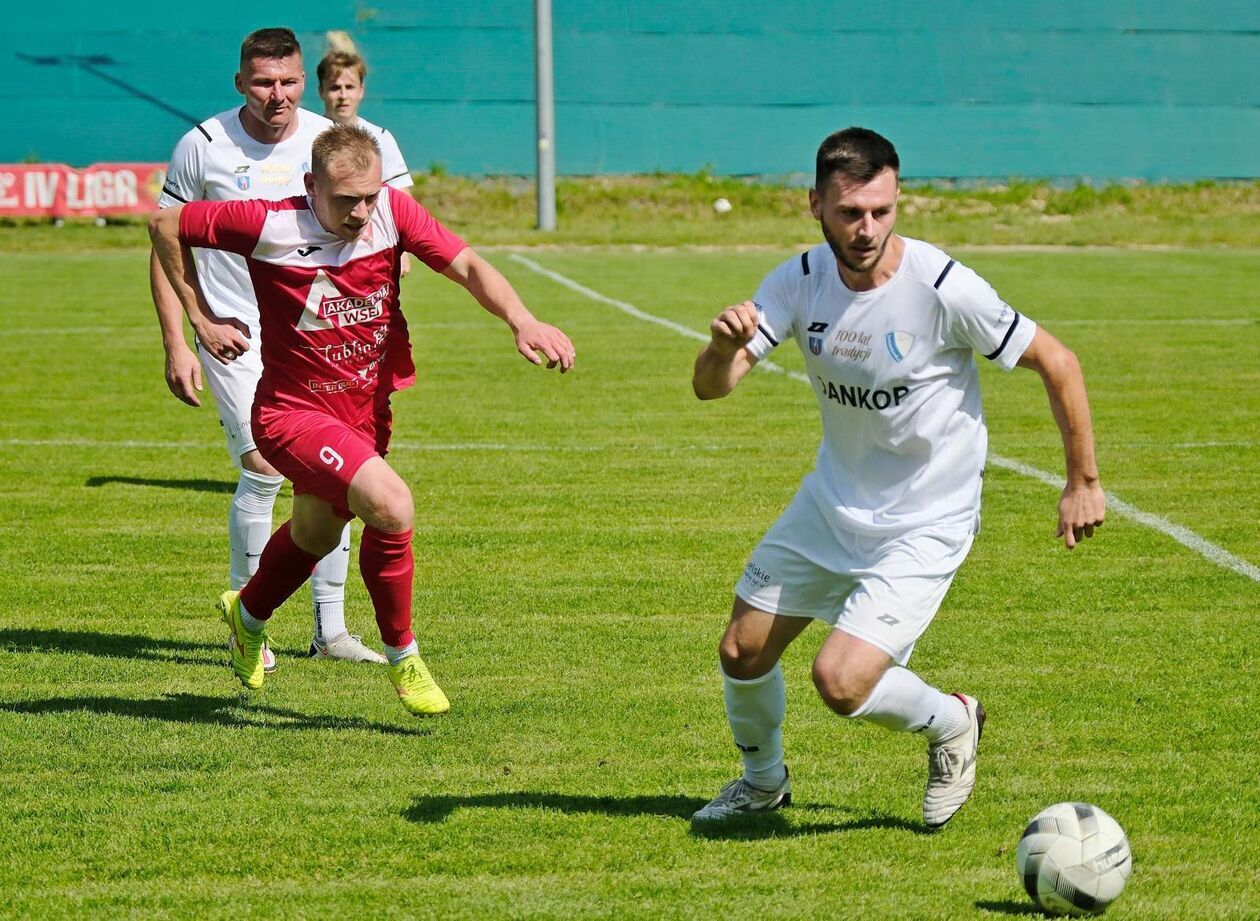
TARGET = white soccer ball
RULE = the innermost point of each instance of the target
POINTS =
(1074, 859)
(721, 206)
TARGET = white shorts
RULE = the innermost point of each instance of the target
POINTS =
(884, 589)
(233, 387)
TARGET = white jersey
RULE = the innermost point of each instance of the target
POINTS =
(217, 161)
(393, 167)
(904, 439)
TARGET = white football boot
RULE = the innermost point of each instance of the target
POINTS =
(347, 648)
(952, 768)
(741, 798)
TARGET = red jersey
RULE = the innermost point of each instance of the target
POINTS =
(333, 336)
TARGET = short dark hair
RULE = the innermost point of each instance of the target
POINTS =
(269, 43)
(335, 62)
(344, 142)
(855, 153)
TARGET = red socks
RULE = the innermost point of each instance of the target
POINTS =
(387, 567)
(282, 569)
(385, 561)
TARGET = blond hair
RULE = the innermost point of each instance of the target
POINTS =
(347, 144)
(334, 62)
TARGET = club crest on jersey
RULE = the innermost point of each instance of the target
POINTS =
(242, 183)
(899, 344)
(816, 342)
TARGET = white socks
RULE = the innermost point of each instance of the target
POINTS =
(249, 523)
(396, 654)
(904, 702)
(252, 623)
(328, 590)
(901, 701)
(755, 709)
(249, 529)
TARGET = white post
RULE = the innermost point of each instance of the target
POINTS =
(546, 108)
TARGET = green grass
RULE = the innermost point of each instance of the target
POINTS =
(577, 542)
(677, 210)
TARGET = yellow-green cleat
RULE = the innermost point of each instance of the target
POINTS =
(416, 688)
(247, 648)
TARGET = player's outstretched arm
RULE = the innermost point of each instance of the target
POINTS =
(1082, 506)
(495, 293)
(724, 361)
(183, 370)
(225, 339)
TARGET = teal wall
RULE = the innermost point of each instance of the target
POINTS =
(1103, 89)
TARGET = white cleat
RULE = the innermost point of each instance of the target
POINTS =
(741, 798)
(268, 657)
(347, 648)
(952, 768)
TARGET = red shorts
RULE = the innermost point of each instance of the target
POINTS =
(319, 452)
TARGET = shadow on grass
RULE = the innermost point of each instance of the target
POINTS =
(195, 485)
(771, 825)
(782, 824)
(439, 808)
(113, 645)
(1008, 907)
(202, 710)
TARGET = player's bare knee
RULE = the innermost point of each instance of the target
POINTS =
(400, 513)
(841, 690)
(379, 496)
(389, 507)
(743, 659)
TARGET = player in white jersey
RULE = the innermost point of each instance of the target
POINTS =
(342, 82)
(888, 327)
(258, 150)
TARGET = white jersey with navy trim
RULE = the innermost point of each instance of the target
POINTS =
(904, 437)
(218, 161)
(394, 169)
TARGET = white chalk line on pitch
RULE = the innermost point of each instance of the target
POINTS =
(1184, 536)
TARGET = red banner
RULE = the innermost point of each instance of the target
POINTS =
(100, 190)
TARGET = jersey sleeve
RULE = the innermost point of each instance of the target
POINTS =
(394, 169)
(234, 226)
(776, 309)
(185, 176)
(421, 234)
(977, 318)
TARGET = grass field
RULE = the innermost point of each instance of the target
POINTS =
(577, 542)
(677, 210)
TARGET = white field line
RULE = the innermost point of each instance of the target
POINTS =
(1183, 536)
(635, 311)
(1218, 555)
(1156, 321)
(1198, 444)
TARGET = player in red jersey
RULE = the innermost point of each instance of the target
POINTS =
(325, 271)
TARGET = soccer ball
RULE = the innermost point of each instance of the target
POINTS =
(1074, 859)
